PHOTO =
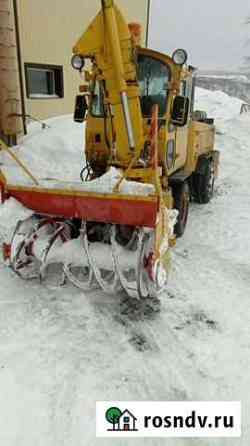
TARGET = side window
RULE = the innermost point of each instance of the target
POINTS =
(97, 102)
(187, 90)
(44, 81)
(183, 88)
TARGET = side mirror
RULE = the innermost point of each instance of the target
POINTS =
(81, 108)
(180, 111)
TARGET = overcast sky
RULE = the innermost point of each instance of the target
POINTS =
(212, 31)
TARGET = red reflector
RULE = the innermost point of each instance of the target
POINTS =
(6, 251)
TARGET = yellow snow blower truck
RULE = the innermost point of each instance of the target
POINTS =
(148, 153)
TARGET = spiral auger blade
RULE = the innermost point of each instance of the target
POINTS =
(80, 273)
(59, 236)
(108, 279)
(33, 241)
(127, 272)
(22, 261)
(114, 264)
(136, 274)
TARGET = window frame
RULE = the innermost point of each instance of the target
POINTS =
(57, 71)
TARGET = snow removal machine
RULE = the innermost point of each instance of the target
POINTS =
(148, 153)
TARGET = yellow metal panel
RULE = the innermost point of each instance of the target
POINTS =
(201, 141)
(181, 146)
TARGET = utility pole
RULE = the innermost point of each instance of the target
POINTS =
(19, 60)
(148, 22)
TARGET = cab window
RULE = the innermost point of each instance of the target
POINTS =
(97, 101)
(153, 77)
(187, 90)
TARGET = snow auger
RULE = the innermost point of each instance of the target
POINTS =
(146, 157)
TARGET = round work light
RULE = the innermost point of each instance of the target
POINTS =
(180, 57)
(77, 62)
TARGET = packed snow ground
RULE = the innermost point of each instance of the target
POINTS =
(61, 350)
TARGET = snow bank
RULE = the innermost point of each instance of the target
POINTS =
(54, 152)
(234, 77)
(217, 104)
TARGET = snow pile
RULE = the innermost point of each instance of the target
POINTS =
(217, 104)
(104, 184)
(56, 152)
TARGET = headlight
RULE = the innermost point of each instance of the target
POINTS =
(180, 57)
(77, 62)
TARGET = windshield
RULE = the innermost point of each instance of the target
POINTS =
(153, 77)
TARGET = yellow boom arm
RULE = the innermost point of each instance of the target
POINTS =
(108, 42)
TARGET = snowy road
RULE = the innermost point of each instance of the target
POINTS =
(61, 350)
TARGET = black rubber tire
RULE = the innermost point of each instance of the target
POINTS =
(203, 184)
(181, 194)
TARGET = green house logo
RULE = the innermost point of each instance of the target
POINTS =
(121, 421)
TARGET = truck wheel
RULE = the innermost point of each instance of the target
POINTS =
(203, 183)
(181, 196)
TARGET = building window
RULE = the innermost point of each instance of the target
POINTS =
(44, 81)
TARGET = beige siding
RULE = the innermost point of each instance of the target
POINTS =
(48, 31)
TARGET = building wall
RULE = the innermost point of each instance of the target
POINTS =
(10, 98)
(48, 31)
